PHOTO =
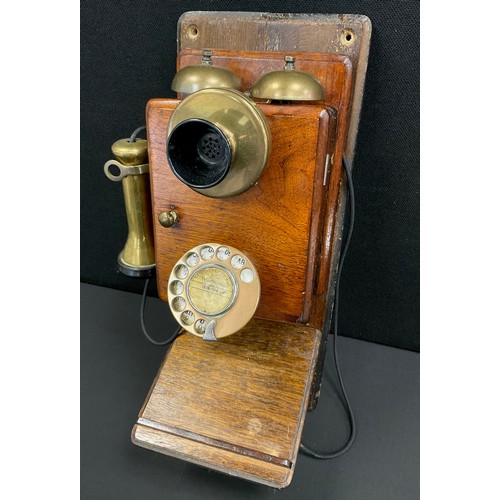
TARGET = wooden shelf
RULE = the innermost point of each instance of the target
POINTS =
(236, 405)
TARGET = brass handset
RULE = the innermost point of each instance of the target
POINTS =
(137, 259)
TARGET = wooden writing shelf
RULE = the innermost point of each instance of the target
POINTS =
(236, 405)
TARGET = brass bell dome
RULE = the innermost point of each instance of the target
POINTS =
(204, 76)
(288, 84)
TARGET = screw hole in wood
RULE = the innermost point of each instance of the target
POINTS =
(347, 37)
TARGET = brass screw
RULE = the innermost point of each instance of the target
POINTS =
(289, 63)
(206, 58)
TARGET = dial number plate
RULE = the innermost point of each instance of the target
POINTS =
(222, 287)
(211, 290)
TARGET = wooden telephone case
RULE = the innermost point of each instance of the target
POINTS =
(238, 405)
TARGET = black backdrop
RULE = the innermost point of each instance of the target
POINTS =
(128, 51)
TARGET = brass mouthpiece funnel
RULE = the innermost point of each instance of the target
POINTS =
(137, 259)
(218, 142)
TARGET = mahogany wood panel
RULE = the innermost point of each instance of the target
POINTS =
(335, 73)
(276, 223)
(236, 405)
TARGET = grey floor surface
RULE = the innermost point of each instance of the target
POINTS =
(118, 366)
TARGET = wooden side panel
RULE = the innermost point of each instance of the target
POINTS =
(275, 222)
(236, 405)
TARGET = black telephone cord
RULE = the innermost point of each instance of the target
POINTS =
(143, 322)
(146, 284)
(135, 132)
(303, 448)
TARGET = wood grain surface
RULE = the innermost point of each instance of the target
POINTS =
(228, 462)
(244, 396)
(275, 222)
(335, 72)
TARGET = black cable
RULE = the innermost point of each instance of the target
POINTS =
(135, 132)
(145, 292)
(303, 448)
(143, 323)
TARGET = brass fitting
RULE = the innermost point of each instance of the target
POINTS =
(137, 259)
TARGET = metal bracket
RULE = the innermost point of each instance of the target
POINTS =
(124, 170)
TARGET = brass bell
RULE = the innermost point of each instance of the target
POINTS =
(288, 84)
(203, 76)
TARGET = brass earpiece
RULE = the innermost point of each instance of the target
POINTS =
(288, 84)
(137, 259)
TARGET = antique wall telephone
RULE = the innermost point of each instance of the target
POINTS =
(243, 177)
